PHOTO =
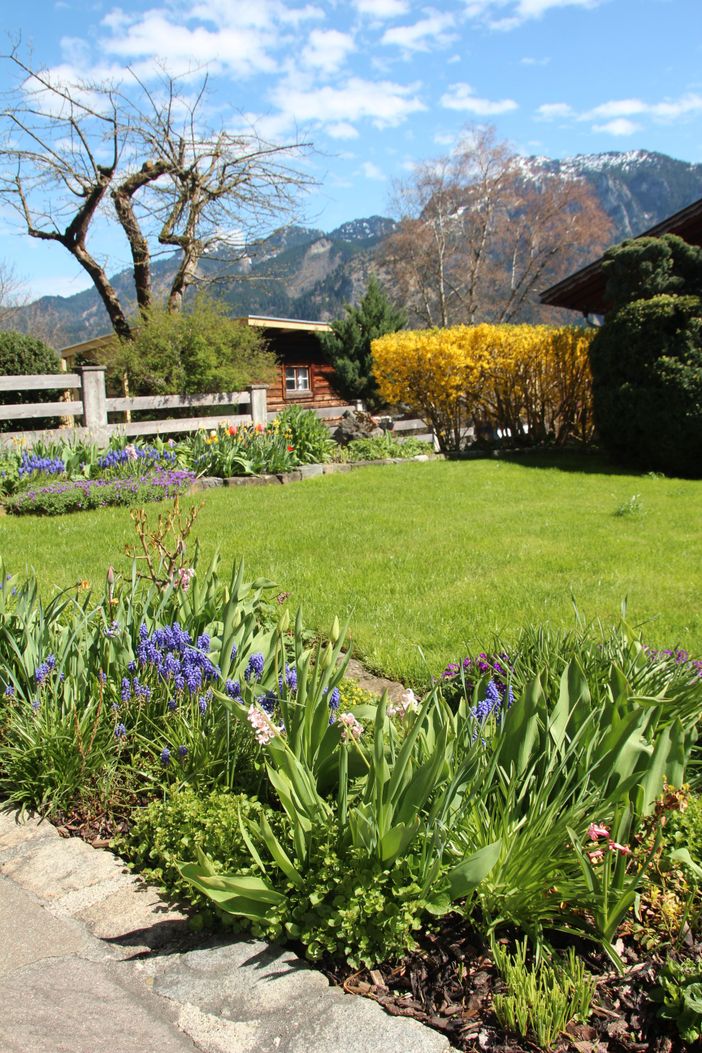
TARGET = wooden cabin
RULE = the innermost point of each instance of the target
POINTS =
(304, 378)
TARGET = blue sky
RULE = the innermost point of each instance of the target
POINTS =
(377, 85)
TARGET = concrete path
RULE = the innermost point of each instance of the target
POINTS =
(92, 960)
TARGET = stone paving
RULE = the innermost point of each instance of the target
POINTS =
(94, 960)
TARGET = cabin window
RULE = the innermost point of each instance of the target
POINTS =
(297, 378)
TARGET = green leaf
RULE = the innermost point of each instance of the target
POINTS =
(468, 875)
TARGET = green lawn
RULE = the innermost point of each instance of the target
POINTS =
(437, 555)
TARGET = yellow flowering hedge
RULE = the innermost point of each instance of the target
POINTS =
(522, 378)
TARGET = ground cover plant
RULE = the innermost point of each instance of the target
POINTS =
(524, 794)
(442, 555)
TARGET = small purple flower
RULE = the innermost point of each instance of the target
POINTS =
(172, 705)
(165, 756)
(120, 731)
(233, 653)
(290, 678)
(267, 702)
(125, 689)
(202, 704)
(112, 630)
(36, 704)
(203, 642)
(182, 752)
(10, 691)
(102, 676)
(232, 688)
(255, 667)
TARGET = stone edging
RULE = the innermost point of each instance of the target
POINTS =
(306, 471)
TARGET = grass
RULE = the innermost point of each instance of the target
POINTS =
(438, 555)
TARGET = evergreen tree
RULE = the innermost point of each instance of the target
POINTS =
(348, 346)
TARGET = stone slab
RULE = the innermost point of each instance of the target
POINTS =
(29, 933)
(66, 869)
(251, 480)
(251, 997)
(69, 1005)
(295, 476)
(309, 471)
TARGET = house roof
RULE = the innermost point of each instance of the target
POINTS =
(585, 289)
(291, 325)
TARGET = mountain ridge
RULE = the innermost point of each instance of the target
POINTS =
(304, 272)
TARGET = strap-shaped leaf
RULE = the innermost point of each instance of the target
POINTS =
(466, 877)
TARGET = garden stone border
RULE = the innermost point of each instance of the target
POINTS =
(306, 471)
(94, 960)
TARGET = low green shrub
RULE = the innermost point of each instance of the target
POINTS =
(377, 449)
(679, 994)
(164, 831)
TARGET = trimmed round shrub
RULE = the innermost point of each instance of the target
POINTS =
(647, 384)
(646, 360)
(22, 355)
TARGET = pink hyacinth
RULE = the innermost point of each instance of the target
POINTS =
(614, 846)
(265, 731)
(184, 575)
(406, 704)
(597, 830)
(352, 727)
(597, 856)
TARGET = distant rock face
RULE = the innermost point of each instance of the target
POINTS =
(302, 272)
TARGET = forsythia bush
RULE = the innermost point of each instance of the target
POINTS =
(525, 378)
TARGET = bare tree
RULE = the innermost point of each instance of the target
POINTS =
(145, 158)
(11, 295)
(479, 234)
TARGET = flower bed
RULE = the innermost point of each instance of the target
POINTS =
(66, 477)
(527, 820)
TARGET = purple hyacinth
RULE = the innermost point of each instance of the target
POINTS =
(232, 688)
(120, 731)
(165, 756)
(255, 667)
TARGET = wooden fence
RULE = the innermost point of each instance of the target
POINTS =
(94, 409)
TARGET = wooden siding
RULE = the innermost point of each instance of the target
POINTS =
(302, 350)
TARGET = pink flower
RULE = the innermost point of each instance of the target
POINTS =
(614, 846)
(597, 856)
(184, 575)
(131, 452)
(407, 704)
(265, 731)
(352, 727)
(597, 830)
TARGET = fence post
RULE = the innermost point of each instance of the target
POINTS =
(94, 401)
(259, 404)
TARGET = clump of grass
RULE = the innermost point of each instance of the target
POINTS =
(542, 999)
(631, 508)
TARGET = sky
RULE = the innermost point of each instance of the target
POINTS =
(378, 85)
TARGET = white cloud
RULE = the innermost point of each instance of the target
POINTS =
(385, 103)
(615, 108)
(529, 61)
(372, 171)
(327, 49)
(614, 116)
(618, 126)
(342, 130)
(461, 97)
(551, 111)
(242, 51)
(508, 14)
(432, 31)
(382, 9)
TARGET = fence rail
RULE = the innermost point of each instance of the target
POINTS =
(93, 408)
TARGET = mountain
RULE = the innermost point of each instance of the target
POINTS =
(303, 272)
